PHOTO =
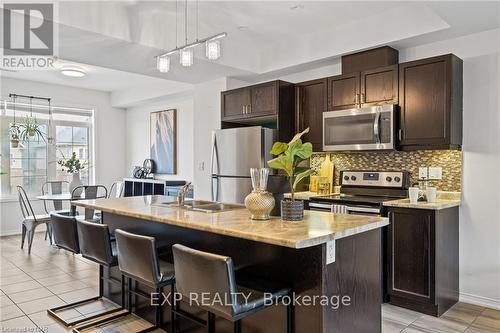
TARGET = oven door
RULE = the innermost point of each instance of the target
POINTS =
(320, 206)
(370, 128)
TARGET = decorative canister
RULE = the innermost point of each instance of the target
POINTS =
(292, 210)
(259, 202)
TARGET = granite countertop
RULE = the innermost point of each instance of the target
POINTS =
(316, 228)
(306, 195)
(439, 204)
(443, 200)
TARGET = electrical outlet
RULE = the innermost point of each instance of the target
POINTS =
(423, 173)
(435, 173)
(330, 252)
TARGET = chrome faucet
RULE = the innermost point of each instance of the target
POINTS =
(182, 193)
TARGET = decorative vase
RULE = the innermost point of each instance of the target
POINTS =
(14, 143)
(259, 202)
(292, 210)
(75, 182)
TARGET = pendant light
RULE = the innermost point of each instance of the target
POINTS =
(212, 49)
(186, 57)
(163, 63)
(186, 54)
(186, 51)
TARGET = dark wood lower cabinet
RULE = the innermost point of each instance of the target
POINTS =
(422, 262)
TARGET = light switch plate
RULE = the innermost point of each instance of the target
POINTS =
(201, 166)
(435, 173)
(330, 252)
(423, 173)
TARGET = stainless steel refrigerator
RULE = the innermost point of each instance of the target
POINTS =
(234, 152)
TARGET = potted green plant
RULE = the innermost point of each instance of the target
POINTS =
(15, 133)
(73, 167)
(289, 156)
(30, 129)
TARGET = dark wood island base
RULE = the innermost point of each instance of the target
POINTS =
(352, 283)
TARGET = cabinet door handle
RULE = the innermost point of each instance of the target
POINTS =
(400, 134)
(356, 101)
(249, 108)
(244, 109)
(362, 97)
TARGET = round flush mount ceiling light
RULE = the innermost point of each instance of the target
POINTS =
(73, 72)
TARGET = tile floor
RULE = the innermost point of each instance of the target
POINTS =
(50, 277)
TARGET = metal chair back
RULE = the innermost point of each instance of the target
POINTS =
(54, 187)
(89, 192)
(116, 190)
(24, 203)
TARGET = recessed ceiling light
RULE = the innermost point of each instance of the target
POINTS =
(73, 72)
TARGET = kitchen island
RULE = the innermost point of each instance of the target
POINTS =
(334, 260)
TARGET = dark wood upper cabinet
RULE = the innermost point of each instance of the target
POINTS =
(369, 59)
(234, 103)
(379, 86)
(430, 97)
(422, 259)
(268, 104)
(343, 91)
(310, 105)
(264, 98)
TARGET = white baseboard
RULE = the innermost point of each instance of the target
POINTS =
(479, 300)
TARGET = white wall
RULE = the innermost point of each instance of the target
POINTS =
(206, 119)
(109, 131)
(138, 131)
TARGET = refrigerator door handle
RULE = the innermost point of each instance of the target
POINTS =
(215, 191)
(214, 161)
(213, 157)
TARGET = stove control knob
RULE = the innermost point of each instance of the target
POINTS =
(389, 179)
(353, 178)
(397, 179)
(346, 178)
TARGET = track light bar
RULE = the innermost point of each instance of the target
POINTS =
(198, 42)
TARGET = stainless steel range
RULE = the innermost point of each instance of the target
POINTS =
(363, 192)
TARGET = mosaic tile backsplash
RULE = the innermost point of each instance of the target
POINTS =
(449, 160)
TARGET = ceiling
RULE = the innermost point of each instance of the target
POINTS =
(117, 40)
(97, 78)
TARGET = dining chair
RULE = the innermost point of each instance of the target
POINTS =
(116, 190)
(88, 192)
(54, 187)
(30, 220)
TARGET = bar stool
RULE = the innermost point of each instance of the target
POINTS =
(203, 273)
(96, 246)
(138, 260)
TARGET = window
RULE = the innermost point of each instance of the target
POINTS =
(69, 140)
(34, 161)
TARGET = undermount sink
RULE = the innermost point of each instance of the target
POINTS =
(216, 207)
(203, 206)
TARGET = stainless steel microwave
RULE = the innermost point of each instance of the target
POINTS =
(370, 128)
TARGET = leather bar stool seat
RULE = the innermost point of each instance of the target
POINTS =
(212, 275)
(93, 242)
(138, 259)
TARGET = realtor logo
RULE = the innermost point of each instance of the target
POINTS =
(28, 29)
